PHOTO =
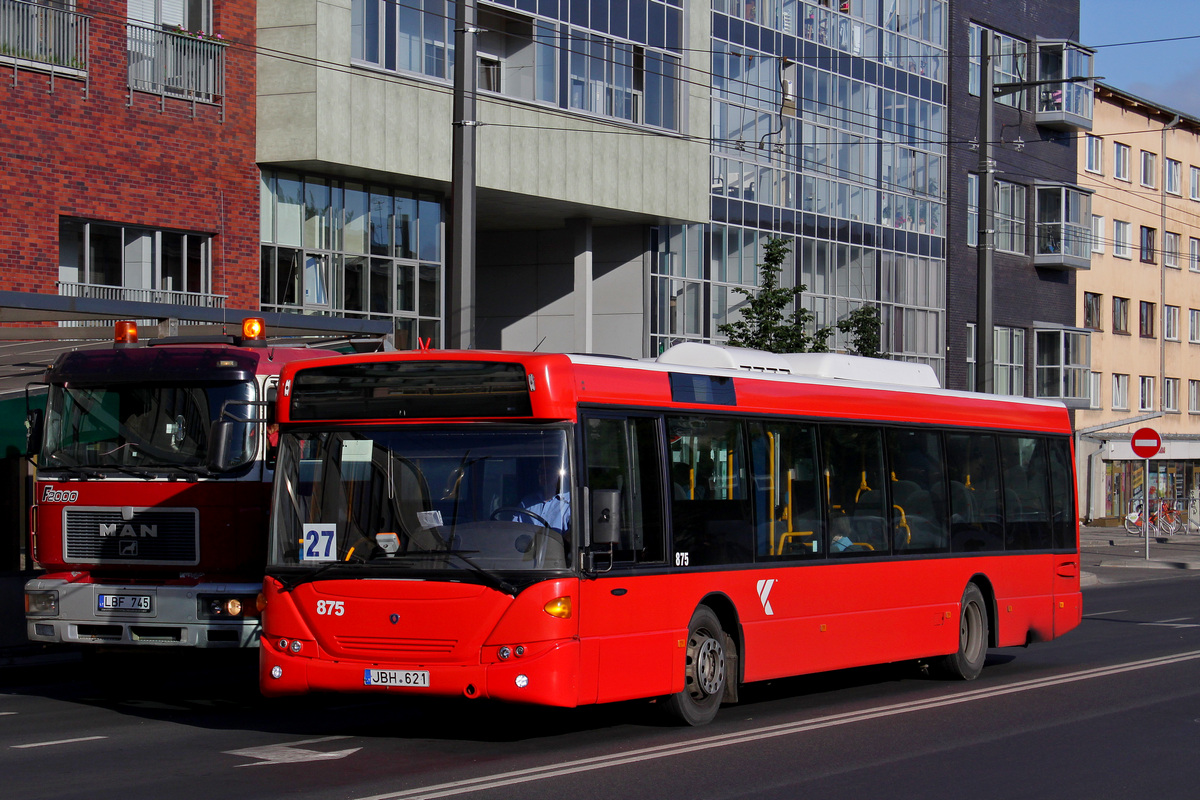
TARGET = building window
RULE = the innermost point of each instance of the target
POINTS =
(1146, 245)
(1120, 392)
(1097, 234)
(1121, 161)
(1010, 217)
(1193, 396)
(1091, 310)
(331, 246)
(1194, 254)
(1008, 359)
(973, 210)
(1094, 397)
(1171, 249)
(1063, 364)
(1145, 393)
(1064, 215)
(1194, 325)
(1009, 59)
(527, 57)
(1171, 394)
(1146, 319)
(1174, 176)
(1149, 169)
(1195, 194)
(1121, 239)
(1171, 323)
(1095, 154)
(121, 262)
(1120, 315)
(1008, 206)
(172, 49)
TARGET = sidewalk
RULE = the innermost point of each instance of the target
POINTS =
(1102, 547)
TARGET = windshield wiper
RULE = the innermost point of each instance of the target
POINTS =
(137, 472)
(74, 469)
(490, 578)
(289, 585)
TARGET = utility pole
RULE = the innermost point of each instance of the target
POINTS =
(460, 317)
(985, 342)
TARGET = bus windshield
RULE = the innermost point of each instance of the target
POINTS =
(129, 427)
(467, 498)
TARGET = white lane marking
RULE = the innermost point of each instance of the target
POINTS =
(291, 753)
(59, 741)
(7, 713)
(1168, 623)
(770, 732)
(1102, 613)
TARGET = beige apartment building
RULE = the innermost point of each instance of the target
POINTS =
(1141, 302)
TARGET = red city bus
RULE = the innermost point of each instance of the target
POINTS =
(565, 529)
(142, 539)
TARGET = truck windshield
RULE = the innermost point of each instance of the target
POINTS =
(474, 499)
(127, 426)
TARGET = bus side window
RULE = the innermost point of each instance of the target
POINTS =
(918, 481)
(710, 507)
(856, 490)
(788, 517)
(1062, 489)
(1026, 493)
(623, 455)
(977, 520)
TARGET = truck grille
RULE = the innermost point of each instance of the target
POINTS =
(149, 536)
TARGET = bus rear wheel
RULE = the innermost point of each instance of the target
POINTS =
(967, 663)
(705, 672)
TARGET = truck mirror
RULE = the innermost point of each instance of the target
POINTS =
(33, 432)
(224, 445)
(606, 516)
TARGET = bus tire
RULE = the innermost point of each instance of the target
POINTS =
(705, 671)
(967, 663)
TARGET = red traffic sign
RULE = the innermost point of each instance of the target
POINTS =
(1146, 443)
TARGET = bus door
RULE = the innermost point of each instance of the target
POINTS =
(1068, 606)
(625, 628)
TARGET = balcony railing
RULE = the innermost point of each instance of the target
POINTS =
(105, 292)
(175, 64)
(39, 36)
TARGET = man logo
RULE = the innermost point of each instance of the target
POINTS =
(129, 547)
(764, 592)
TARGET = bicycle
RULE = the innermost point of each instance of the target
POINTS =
(1164, 517)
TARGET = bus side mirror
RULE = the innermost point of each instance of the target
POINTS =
(33, 432)
(606, 516)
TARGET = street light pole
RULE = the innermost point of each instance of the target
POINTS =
(460, 316)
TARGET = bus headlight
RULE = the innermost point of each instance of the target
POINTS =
(41, 604)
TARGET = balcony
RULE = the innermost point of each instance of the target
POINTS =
(1064, 232)
(42, 38)
(106, 292)
(176, 64)
(1067, 105)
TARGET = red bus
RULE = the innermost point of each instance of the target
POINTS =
(142, 540)
(565, 529)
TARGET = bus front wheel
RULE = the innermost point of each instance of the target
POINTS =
(705, 671)
(967, 663)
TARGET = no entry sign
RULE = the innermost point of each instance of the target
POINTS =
(1146, 443)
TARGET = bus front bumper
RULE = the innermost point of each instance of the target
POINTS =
(549, 678)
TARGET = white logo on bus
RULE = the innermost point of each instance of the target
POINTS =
(764, 592)
(52, 495)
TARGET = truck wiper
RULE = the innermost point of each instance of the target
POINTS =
(86, 472)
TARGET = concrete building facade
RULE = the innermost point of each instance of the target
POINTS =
(1141, 303)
